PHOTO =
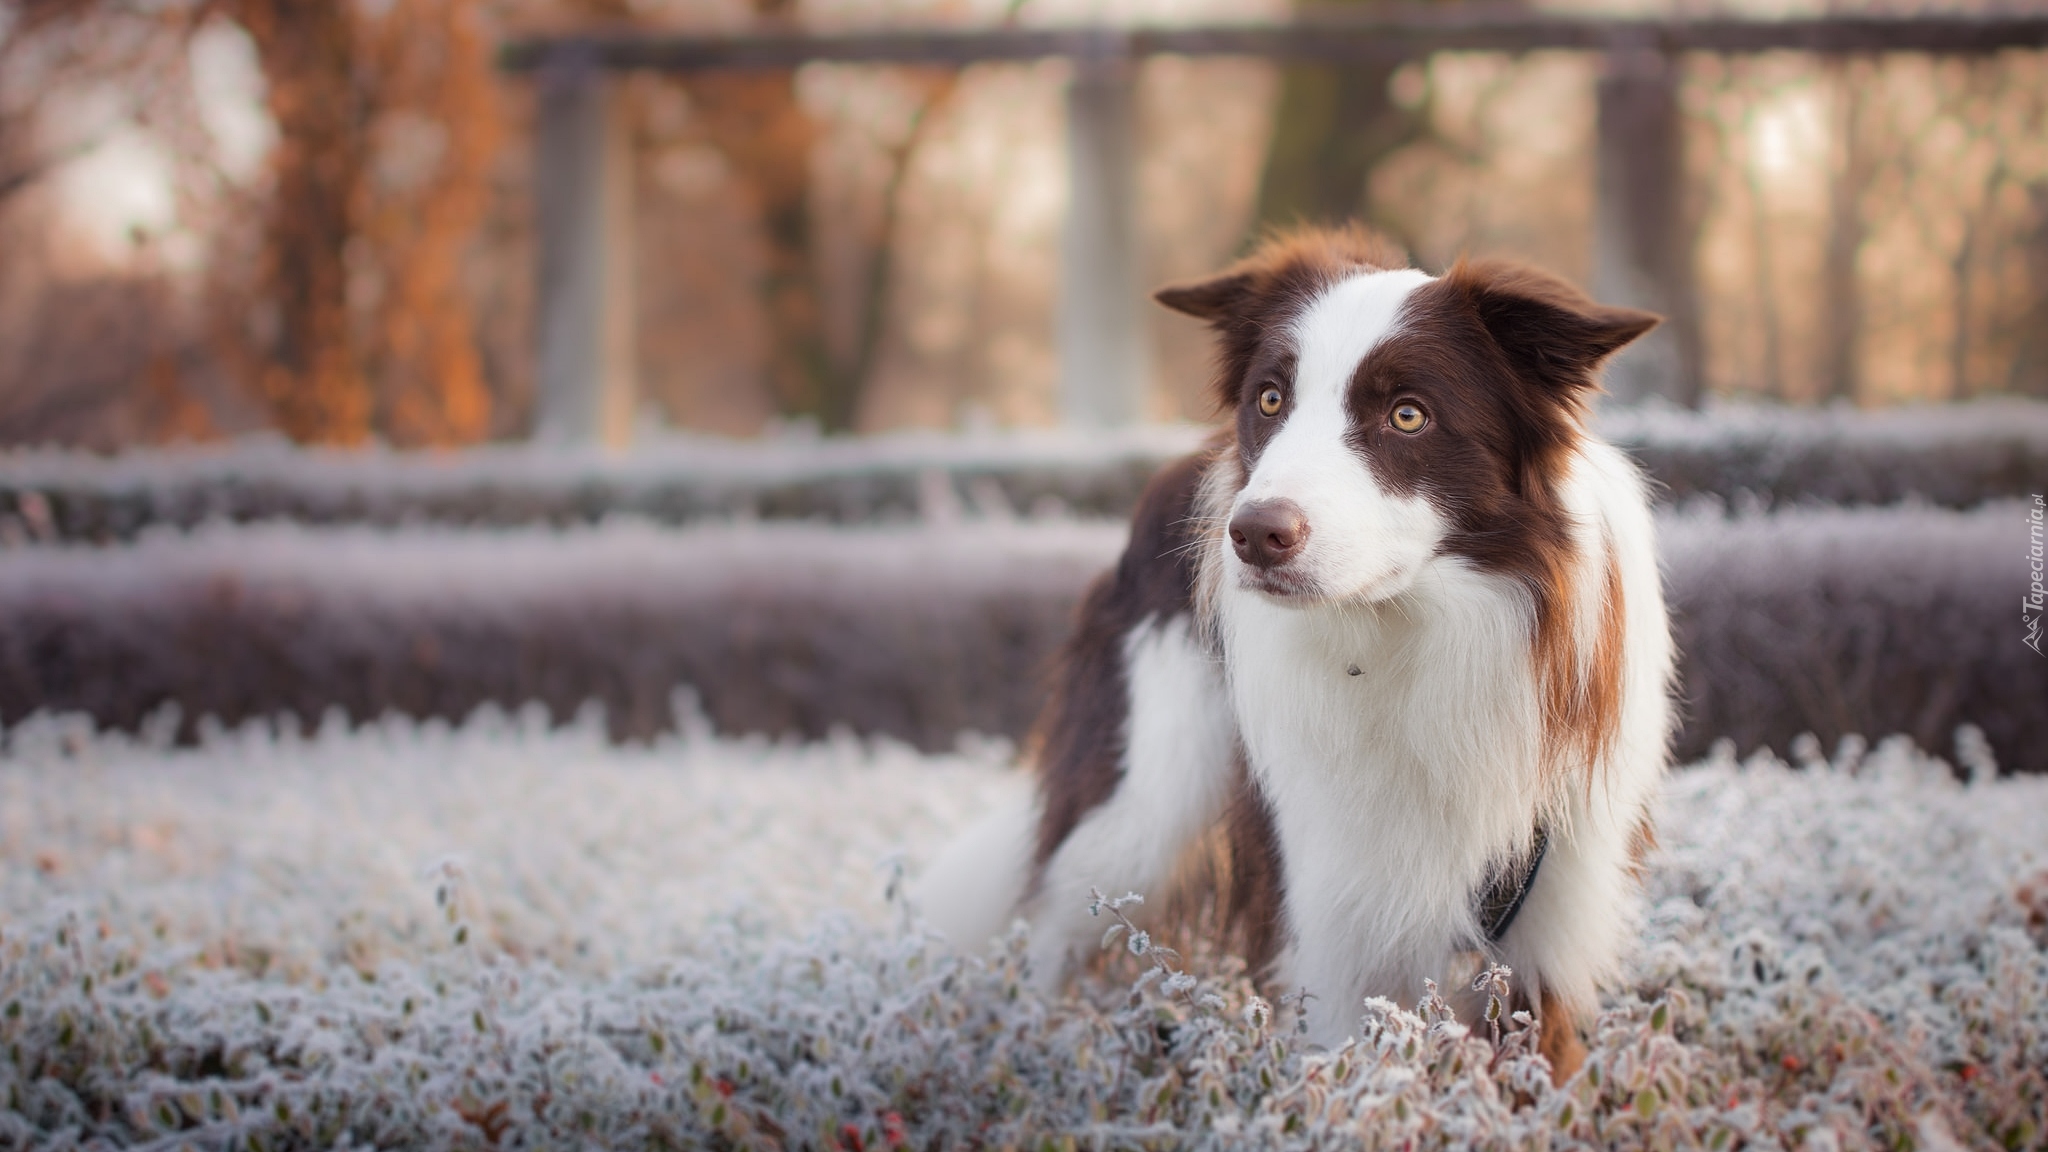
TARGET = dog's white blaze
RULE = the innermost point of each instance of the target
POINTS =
(1363, 540)
(1392, 791)
(1176, 778)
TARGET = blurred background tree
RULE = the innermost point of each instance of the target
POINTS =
(304, 351)
(1333, 126)
(760, 124)
(387, 123)
(347, 315)
(869, 247)
(93, 352)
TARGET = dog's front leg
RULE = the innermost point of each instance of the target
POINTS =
(1174, 775)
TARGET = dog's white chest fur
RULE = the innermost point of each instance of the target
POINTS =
(1393, 790)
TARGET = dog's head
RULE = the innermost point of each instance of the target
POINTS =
(1385, 417)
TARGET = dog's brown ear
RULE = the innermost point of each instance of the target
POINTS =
(1550, 330)
(1217, 298)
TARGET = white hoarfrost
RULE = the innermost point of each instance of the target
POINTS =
(377, 474)
(334, 478)
(1953, 455)
(422, 567)
(296, 850)
(503, 935)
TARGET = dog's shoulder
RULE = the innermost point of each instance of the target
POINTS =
(1155, 577)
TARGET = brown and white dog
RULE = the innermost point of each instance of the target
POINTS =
(1397, 642)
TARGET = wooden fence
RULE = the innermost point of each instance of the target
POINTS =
(1642, 249)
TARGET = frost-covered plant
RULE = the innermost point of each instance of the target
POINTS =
(1846, 955)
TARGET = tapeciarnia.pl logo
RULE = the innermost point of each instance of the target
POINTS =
(2036, 600)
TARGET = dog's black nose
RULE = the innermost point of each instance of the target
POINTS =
(1268, 533)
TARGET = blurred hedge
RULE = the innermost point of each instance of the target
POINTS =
(676, 479)
(917, 633)
(1764, 456)
(1954, 456)
(1871, 621)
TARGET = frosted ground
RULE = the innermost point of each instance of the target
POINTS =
(502, 935)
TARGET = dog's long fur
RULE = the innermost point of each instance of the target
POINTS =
(1371, 660)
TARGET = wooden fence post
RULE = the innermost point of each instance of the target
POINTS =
(1104, 362)
(583, 193)
(1642, 238)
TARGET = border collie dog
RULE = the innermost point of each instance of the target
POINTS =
(1384, 672)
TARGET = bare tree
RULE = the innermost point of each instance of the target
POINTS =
(49, 44)
(433, 60)
(307, 365)
(2029, 374)
(1841, 294)
(758, 122)
(1334, 124)
(365, 325)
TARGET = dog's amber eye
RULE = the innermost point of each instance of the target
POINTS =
(1270, 401)
(1407, 417)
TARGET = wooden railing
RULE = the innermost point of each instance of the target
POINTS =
(1642, 251)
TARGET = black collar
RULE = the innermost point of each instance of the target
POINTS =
(1497, 904)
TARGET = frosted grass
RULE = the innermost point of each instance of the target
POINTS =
(268, 848)
(505, 936)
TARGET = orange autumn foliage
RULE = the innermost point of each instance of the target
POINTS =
(434, 60)
(307, 370)
(387, 124)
